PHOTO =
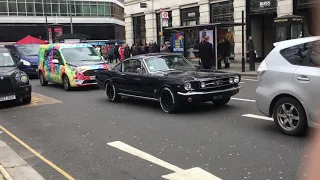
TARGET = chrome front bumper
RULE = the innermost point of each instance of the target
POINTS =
(191, 93)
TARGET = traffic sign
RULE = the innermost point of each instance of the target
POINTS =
(165, 15)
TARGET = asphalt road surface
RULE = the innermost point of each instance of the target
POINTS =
(86, 137)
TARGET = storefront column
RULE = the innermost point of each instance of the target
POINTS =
(238, 6)
(204, 10)
(129, 29)
(151, 27)
(176, 21)
(285, 7)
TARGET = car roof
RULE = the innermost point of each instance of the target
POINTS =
(143, 56)
(65, 45)
(293, 42)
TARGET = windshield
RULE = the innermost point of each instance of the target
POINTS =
(29, 50)
(165, 63)
(6, 60)
(80, 54)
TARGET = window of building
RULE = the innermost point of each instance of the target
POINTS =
(55, 9)
(222, 12)
(21, 8)
(12, 8)
(78, 8)
(190, 16)
(3, 8)
(64, 10)
(139, 30)
(107, 9)
(30, 9)
(94, 9)
(86, 9)
(101, 9)
(296, 54)
(39, 9)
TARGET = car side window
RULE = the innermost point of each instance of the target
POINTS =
(132, 66)
(57, 55)
(314, 60)
(297, 54)
(118, 67)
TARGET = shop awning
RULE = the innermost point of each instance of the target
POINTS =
(211, 25)
(31, 40)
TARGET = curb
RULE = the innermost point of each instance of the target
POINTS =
(13, 167)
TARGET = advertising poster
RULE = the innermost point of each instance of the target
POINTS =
(57, 31)
(50, 35)
(207, 33)
(178, 42)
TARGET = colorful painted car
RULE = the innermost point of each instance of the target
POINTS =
(72, 65)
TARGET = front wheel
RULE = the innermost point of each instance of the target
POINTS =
(290, 117)
(43, 81)
(221, 102)
(168, 101)
(66, 83)
(112, 93)
(26, 100)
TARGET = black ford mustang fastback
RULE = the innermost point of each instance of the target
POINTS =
(167, 78)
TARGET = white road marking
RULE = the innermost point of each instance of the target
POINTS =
(239, 99)
(179, 174)
(241, 82)
(258, 117)
(249, 79)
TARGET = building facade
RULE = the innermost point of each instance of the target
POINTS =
(142, 23)
(99, 19)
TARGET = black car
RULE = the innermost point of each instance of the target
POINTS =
(14, 83)
(167, 78)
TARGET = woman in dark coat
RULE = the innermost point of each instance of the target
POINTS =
(206, 53)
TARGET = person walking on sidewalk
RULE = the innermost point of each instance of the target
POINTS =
(206, 53)
(251, 53)
(126, 51)
(116, 54)
(111, 54)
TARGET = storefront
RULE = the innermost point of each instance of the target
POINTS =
(190, 17)
(139, 30)
(223, 12)
(167, 35)
(306, 8)
(262, 13)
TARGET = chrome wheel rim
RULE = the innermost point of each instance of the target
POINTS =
(41, 78)
(288, 116)
(110, 91)
(166, 100)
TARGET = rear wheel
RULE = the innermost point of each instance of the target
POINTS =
(66, 83)
(43, 81)
(112, 93)
(290, 117)
(221, 102)
(168, 101)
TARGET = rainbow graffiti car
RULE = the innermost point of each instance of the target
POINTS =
(72, 65)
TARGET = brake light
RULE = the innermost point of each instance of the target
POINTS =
(262, 69)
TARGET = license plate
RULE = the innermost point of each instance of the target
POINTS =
(217, 97)
(7, 98)
(92, 78)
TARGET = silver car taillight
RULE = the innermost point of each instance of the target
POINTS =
(262, 69)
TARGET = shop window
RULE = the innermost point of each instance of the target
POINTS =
(190, 16)
(139, 30)
(222, 12)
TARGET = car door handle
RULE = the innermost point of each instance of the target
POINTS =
(303, 78)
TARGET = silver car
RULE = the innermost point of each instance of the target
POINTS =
(289, 85)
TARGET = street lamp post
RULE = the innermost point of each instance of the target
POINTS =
(70, 14)
(46, 17)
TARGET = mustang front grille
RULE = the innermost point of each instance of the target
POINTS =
(5, 85)
(216, 83)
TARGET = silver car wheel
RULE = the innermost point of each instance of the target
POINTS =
(288, 116)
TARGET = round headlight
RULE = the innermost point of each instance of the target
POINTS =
(203, 84)
(24, 62)
(187, 86)
(24, 78)
(231, 81)
(236, 79)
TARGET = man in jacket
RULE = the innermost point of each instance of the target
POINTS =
(251, 53)
(206, 53)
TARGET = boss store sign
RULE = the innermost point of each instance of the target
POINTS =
(190, 14)
(263, 6)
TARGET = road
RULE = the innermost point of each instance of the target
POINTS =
(75, 131)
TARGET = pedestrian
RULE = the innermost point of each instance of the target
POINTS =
(111, 53)
(146, 49)
(224, 52)
(164, 48)
(134, 50)
(126, 51)
(251, 53)
(121, 53)
(116, 54)
(206, 53)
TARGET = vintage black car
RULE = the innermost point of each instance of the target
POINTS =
(169, 79)
(14, 84)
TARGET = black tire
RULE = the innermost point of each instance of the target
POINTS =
(221, 102)
(26, 100)
(66, 83)
(289, 118)
(168, 101)
(43, 81)
(112, 92)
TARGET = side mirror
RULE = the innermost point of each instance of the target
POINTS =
(19, 64)
(55, 61)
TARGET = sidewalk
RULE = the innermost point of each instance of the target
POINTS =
(237, 67)
(13, 167)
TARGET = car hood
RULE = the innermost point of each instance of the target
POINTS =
(7, 71)
(195, 75)
(86, 63)
(31, 59)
